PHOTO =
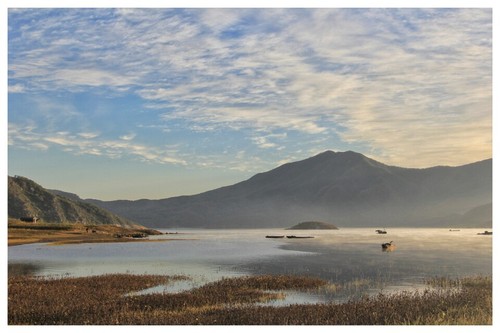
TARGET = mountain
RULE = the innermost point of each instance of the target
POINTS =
(27, 198)
(479, 217)
(344, 188)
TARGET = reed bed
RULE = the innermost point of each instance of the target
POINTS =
(103, 300)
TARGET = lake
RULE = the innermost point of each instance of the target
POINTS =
(349, 256)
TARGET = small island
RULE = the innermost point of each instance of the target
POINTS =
(314, 225)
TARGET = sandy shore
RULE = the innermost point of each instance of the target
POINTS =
(26, 233)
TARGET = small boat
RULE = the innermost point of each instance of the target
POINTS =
(388, 247)
(275, 236)
(486, 233)
(454, 229)
(378, 231)
(299, 236)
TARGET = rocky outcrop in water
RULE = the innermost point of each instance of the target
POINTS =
(314, 225)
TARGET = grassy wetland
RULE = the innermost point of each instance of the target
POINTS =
(72, 233)
(240, 277)
(113, 300)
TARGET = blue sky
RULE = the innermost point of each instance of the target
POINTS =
(152, 103)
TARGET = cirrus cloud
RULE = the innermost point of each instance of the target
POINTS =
(409, 86)
(32, 138)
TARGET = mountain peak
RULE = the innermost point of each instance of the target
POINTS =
(326, 153)
(346, 159)
(340, 154)
(346, 188)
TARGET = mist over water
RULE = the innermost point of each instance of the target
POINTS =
(347, 256)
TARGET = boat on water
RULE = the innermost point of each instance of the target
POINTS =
(379, 231)
(486, 233)
(299, 236)
(388, 247)
(272, 236)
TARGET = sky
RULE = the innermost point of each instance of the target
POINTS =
(118, 103)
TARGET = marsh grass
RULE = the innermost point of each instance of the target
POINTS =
(234, 301)
(442, 282)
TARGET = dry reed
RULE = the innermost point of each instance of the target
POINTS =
(102, 300)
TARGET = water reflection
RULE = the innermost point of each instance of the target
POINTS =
(350, 256)
(16, 269)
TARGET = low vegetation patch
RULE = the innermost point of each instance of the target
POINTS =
(106, 300)
(72, 233)
(40, 226)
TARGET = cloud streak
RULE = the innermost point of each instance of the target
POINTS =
(88, 144)
(411, 87)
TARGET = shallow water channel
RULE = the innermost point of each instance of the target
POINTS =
(351, 258)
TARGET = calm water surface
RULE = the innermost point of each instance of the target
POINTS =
(350, 256)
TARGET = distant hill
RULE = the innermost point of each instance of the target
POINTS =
(478, 217)
(27, 198)
(313, 225)
(347, 188)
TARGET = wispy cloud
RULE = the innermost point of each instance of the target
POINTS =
(86, 77)
(411, 86)
(16, 88)
(128, 137)
(32, 138)
(88, 135)
(269, 141)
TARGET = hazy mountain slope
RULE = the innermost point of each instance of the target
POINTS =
(347, 189)
(27, 198)
(479, 217)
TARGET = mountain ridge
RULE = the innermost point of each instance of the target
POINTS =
(344, 188)
(27, 198)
